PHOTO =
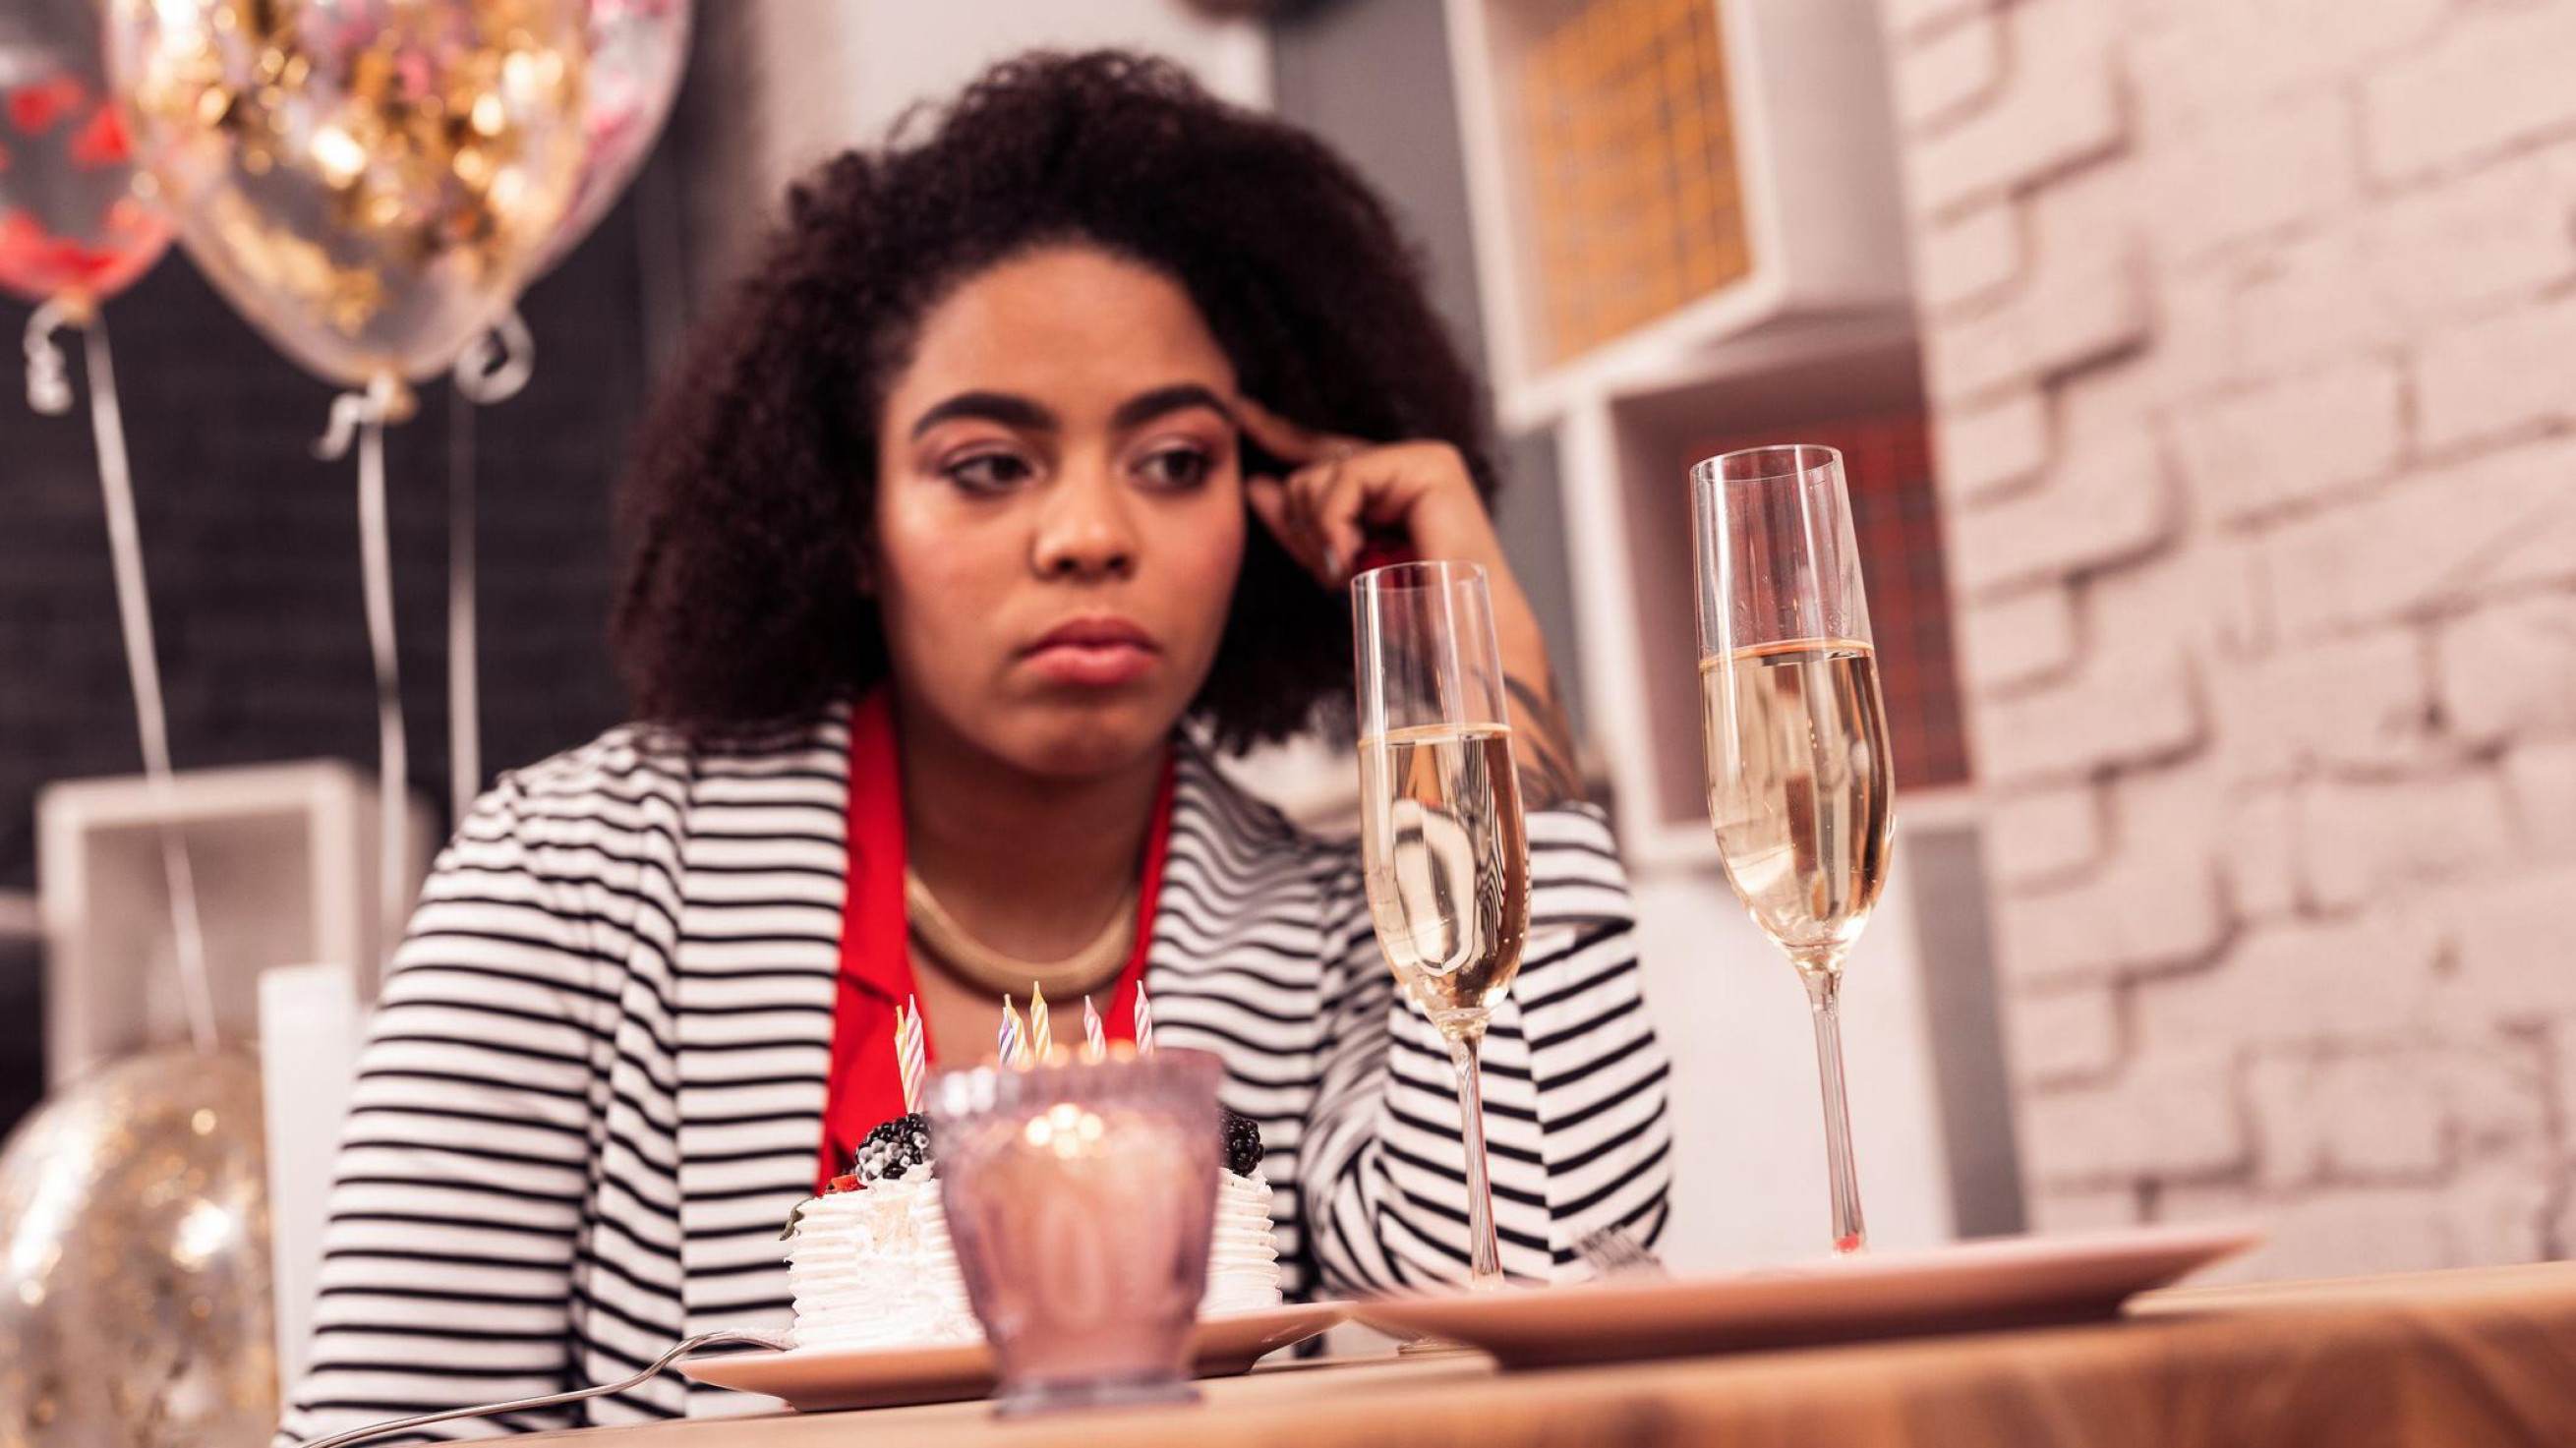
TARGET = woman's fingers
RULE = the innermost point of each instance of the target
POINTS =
(1338, 488)
(1315, 513)
(1295, 445)
(1307, 489)
(1269, 500)
(1278, 512)
(1335, 495)
(1290, 505)
(1278, 436)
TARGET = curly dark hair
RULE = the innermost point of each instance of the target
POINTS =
(754, 494)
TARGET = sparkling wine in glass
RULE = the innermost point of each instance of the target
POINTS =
(1800, 788)
(1442, 842)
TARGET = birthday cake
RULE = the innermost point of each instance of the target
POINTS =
(870, 1264)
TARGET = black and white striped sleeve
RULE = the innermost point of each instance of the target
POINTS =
(1575, 1088)
(457, 1204)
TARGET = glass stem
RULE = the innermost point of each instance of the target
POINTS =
(1824, 980)
(1487, 1271)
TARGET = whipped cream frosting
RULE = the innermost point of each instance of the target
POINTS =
(874, 1268)
(1243, 1256)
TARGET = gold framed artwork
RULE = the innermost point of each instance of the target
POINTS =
(1629, 147)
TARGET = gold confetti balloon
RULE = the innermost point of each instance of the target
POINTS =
(134, 1261)
(639, 50)
(370, 182)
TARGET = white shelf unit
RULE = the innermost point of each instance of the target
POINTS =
(1817, 329)
(1622, 464)
(1816, 176)
(284, 859)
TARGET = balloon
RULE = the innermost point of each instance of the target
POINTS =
(134, 1260)
(638, 52)
(368, 181)
(73, 226)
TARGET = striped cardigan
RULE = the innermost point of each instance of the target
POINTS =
(594, 1082)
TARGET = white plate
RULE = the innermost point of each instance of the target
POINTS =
(2000, 1282)
(815, 1379)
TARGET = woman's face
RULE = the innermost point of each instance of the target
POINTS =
(1059, 511)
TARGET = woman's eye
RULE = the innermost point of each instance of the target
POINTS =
(1176, 467)
(989, 472)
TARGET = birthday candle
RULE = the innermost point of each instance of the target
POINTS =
(911, 1060)
(1041, 1034)
(1095, 1038)
(1015, 1045)
(1144, 1020)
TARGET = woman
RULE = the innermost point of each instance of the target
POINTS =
(1031, 449)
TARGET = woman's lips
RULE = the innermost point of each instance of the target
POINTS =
(1092, 653)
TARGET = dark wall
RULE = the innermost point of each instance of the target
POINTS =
(251, 544)
(252, 549)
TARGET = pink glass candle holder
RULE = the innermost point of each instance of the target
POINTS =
(1080, 1197)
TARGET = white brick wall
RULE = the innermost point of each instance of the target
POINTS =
(2066, 1035)
(2096, 507)
(2362, 702)
(2510, 671)
(2541, 779)
(2019, 639)
(2202, 66)
(1947, 73)
(2508, 950)
(2119, 712)
(2058, 104)
(2498, 74)
(1958, 261)
(2436, 542)
(2384, 1124)
(2259, 450)
(2043, 837)
(2363, 840)
(2251, 326)
(2499, 374)
(2286, 162)
(2500, 229)
(1990, 449)
(2114, 921)
(2258, 854)
(2081, 296)
(2171, 1117)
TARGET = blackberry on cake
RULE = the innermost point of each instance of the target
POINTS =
(894, 1148)
(1242, 1142)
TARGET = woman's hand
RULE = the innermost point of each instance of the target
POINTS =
(1340, 490)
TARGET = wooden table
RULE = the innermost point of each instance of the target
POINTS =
(2484, 1357)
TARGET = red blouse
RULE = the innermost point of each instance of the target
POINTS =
(865, 1088)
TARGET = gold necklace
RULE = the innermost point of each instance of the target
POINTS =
(980, 965)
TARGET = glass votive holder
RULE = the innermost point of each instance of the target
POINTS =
(1080, 1196)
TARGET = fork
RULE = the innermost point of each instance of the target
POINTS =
(1614, 1251)
(727, 1337)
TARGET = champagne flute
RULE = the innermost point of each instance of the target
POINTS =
(1442, 841)
(1799, 783)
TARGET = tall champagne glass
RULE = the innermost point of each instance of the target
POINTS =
(1441, 836)
(1799, 784)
